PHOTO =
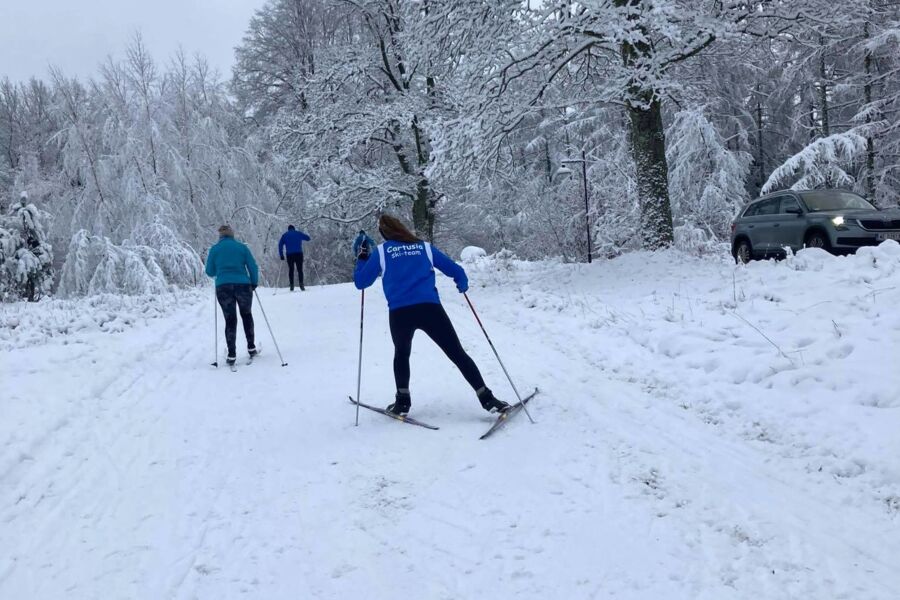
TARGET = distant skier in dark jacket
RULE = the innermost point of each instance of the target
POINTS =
(236, 274)
(291, 244)
(406, 265)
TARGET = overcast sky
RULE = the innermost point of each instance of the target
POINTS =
(77, 35)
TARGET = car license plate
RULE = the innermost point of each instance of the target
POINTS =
(888, 235)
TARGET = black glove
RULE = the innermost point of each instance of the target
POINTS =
(282, 258)
(253, 286)
(364, 253)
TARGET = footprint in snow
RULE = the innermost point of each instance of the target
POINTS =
(804, 342)
(879, 400)
(205, 569)
(840, 352)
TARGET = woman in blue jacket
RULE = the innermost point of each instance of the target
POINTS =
(406, 265)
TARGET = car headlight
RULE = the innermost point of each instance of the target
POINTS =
(839, 222)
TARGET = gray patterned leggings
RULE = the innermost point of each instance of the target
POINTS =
(234, 297)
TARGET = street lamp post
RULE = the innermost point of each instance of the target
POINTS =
(587, 211)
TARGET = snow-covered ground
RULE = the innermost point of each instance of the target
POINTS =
(703, 431)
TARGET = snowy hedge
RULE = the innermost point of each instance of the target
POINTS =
(25, 324)
(95, 265)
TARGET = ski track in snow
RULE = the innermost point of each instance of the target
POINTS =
(677, 453)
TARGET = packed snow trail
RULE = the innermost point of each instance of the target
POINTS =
(130, 468)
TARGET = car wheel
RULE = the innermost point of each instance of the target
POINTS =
(818, 239)
(743, 252)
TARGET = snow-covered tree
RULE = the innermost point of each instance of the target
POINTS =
(26, 257)
(823, 163)
(878, 50)
(361, 138)
(96, 265)
(706, 179)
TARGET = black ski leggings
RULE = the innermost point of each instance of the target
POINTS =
(240, 294)
(433, 320)
(295, 260)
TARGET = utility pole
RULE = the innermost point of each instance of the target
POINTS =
(587, 208)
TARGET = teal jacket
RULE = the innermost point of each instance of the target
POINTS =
(230, 261)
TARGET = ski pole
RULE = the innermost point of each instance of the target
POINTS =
(316, 269)
(215, 361)
(362, 306)
(278, 279)
(258, 301)
(502, 366)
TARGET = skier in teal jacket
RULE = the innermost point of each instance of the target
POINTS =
(232, 265)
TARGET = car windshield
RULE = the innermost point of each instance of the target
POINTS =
(822, 201)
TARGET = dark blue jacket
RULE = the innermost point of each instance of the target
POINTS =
(407, 274)
(363, 240)
(230, 261)
(292, 242)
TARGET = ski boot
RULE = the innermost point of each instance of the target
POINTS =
(230, 359)
(401, 405)
(253, 351)
(491, 404)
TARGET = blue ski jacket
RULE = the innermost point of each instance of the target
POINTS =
(363, 240)
(292, 242)
(230, 261)
(407, 273)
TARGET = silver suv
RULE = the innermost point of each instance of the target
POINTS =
(836, 220)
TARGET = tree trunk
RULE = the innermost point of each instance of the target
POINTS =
(760, 152)
(823, 93)
(870, 141)
(648, 141)
(648, 149)
(423, 210)
(423, 205)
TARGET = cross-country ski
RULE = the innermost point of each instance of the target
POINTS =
(387, 413)
(509, 413)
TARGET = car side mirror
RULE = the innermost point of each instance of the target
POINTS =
(794, 211)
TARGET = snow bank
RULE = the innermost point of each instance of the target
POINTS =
(797, 355)
(470, 254)
(25, 324)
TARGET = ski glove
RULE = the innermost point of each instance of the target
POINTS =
(253, 287)
(462, 286)
(282, 258)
